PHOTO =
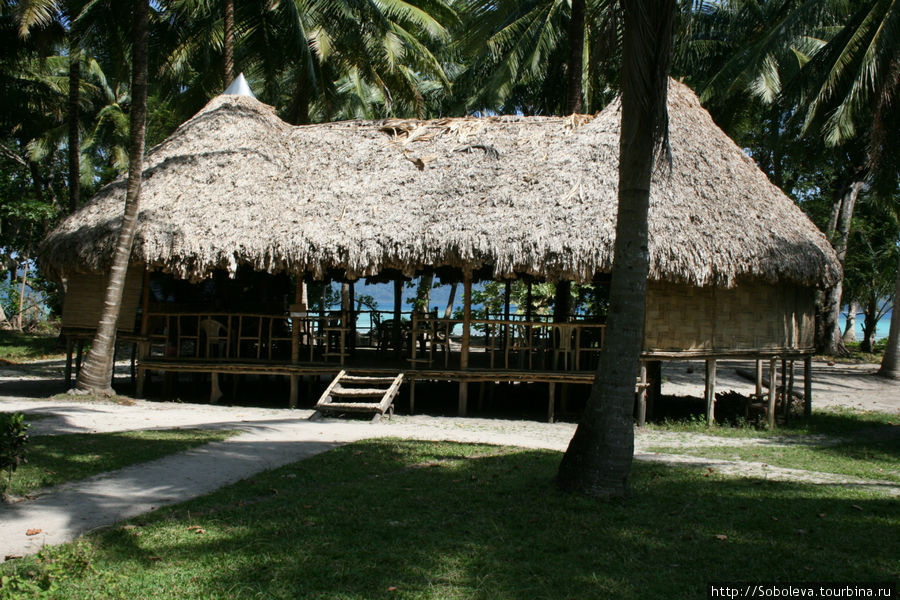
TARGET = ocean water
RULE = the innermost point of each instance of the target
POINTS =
(383, 293)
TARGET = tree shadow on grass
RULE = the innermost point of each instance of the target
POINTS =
(428, 520)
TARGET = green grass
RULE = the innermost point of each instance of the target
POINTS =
(392, 519)
(54, 459)
(830, 422)
(869, 456)
(16, 346)
(859, 444)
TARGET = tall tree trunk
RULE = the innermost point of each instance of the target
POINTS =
(598, 460)
(574, 72)
(74, 139)
(4, 321)
(423, 293)
(890, 362)
(850, 329)
(448, 312)
(831, 341)
(19, 317)
(870, 322)
(228, 43)
(96, 374)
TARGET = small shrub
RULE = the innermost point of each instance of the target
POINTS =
(13, 439)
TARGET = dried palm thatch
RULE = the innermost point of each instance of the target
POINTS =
(534, 195)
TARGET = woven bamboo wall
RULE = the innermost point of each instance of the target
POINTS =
(84, 299)
(758, 317)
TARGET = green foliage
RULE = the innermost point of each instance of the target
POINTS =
(585, 299)
(17, 346)
(53, 568)
(13, 439)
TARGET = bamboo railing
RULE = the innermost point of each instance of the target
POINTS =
(509, 344)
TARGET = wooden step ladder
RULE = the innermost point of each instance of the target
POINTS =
(355, 393)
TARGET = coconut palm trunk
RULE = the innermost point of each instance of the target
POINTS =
(227, 43)
(96, 373)
(598, 460)
(850, 329)
(576, 52)
(832, 340)
(890, 362)
(74, 138)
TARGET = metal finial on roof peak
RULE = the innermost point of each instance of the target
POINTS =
(239, 87)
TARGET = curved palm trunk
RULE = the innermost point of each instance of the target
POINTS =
(228, 43)
(831, 340)
(598, 460)
(850, 329)
(576, 52)
(96, 373)
(448, 312)
(74, 141)
(890, 363)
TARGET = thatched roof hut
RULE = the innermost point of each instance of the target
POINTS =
(518, 195)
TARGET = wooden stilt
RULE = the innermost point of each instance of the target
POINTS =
(551, 403)
(710, 391)
(139, 385)
(481, 393)
(807, 387)
(296, 324)
(759, 377)
(412, 396)
(215, 392)
(654, 385)
(70, 346)
(463, 398)
(351, 319)
(642, 396)
(782, 389)
(79, 351)
(133, 371)
(773, 392)
(787, 387)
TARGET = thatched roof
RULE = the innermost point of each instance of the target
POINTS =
(533, 195)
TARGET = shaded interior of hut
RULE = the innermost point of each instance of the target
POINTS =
(387, 322)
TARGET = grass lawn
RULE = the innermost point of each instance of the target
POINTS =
(396, 519)
(16, 346)
(852, 443)
(54, 459)
(858, 457)
(828, 422)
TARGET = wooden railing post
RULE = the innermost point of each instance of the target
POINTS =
(466, 337)
(295, 338)
(144, 344)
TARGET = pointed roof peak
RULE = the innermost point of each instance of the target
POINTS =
(239, 87)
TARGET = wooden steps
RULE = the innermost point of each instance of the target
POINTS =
(345, 394)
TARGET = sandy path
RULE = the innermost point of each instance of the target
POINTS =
(273, 437)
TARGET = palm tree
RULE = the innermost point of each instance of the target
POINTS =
(536, 56)
(598, 460)
(41, 13)
(96, 373)
(837, 66)
(299, 50)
